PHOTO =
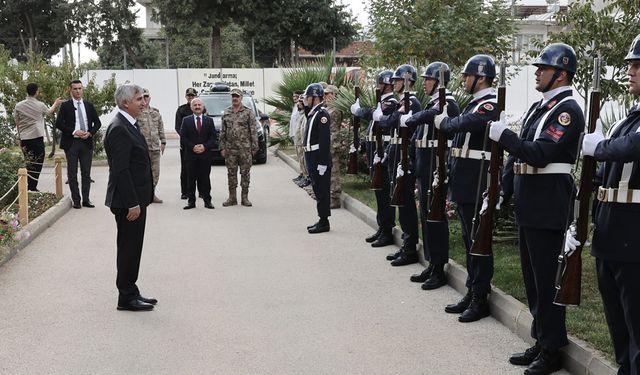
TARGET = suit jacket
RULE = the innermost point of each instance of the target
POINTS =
(66, 123)
(130, 181)
(189, 135)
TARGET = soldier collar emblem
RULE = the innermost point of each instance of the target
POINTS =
(551, 103)
(564, 119)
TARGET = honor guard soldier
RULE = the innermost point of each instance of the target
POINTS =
(317, 153)
(385, 214)
(544, 153)
(469, 158)
(435, 235)
(182, 112)
(615, 242)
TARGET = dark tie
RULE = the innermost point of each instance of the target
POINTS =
(198, 125)
(137, 126)
(83, 126)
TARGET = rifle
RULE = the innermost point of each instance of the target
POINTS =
(377, 178)
(352, 165)
(397, 198)
(438, 202)
(483, 237)
(569, 272)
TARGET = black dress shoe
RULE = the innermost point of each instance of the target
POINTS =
(527, 357)
(184, 196)
(547, 362)
(406, 258)
(422, 276)
(393, 256)
(135, 305)
(384, 239)
(87, 204)
(478, 309)
(209, 206)
(151, 301)
(189, 206)
(319, 228)
(374, 236)
(460, 306)
(312, 225)
(76, 205)
(437, 279)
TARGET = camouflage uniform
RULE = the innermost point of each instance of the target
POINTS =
(152, 128)
(239, 137)
(299, 143)
(336, 188)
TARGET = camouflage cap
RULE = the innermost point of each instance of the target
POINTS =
(191, 91)
(331, 89)
(236, 91)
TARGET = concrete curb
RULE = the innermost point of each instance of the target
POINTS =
(579, 358)
(37, 226)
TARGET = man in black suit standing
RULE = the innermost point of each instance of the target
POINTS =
(78, 122)
(199, 136)
(129, 192)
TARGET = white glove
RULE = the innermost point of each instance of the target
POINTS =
(352, 149)
(570, 242)
(497, 127)
(591, 140)
(355, 107)
(376, 159)
(377, 114)
(404, 118)
(485, 204)
(384, 157)
(399, 172)
(322, 169)
(436, 179)
(438, 119)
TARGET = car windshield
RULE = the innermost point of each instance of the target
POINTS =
(216, 104)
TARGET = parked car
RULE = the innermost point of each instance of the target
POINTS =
(217, 100)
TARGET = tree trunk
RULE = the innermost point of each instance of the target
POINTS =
(216, 47)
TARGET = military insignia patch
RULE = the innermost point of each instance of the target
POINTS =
(551, 104)
(488, 107)
(564, 119)
(323, 120)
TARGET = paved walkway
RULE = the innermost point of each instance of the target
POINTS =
(241, 291)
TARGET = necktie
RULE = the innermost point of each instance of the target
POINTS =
(83, 127)
(198, 124)
(136, 126)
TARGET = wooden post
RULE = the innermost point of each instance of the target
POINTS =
(23, 197)
(58, 174)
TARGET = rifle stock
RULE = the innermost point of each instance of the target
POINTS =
(397, 198)
(569, 273)
(377, 177)
(437, 207)
(483, 237)
(352, 165)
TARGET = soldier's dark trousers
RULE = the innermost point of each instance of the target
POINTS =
(539, 250)
(79, 151)
(435, 235)
(385, 215)
(479, 269)
(33, 150)
(198, 172)
(619, 284)
(408, 214)
(321, 188)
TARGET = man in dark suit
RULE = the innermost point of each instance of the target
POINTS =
(78, 122)
(129, 192)
(199, 136)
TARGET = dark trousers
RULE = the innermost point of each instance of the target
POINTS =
(321, 188)
(479, 269)
(183, 173)
(539, 250)
(129, 241)
(385, 215)
(198, 172)
(435, 235)
(619, 285)
(408, 215)
(79, 151)
(33, 150)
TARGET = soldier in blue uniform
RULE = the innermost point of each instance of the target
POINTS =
(435, 235)
(408, 214)
(385, 214)
(317, 153)
(544, 154)
(469, 157)
(615, 243)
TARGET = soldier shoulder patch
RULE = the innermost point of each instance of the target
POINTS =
(564, 119)
(488, 107)
(553, 133)
(324, 119)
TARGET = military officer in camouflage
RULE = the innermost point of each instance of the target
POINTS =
(152, 128)
(238, 144)
(336, 122)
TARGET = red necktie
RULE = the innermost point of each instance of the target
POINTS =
(198, 124)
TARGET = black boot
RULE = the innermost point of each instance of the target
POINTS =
(312, 225)
(547, 362)
(437, 278)
(384, 239)
(422, 276)
(320, 227)
(374, 236)
(460, 306)
(406, 257)
(478, 309)
(395, 255)
(527, 357)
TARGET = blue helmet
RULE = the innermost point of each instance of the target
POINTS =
(384, 77)
(406, 68)
(558, 55)
(314, 89)
(433, 71)
(634, 50)
(481, 66)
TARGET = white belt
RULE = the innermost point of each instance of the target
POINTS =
(618, 195)
(429, 143)
(553, 168)
(385, 138)
(395, 141)
(311, 148)
(470, 154)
